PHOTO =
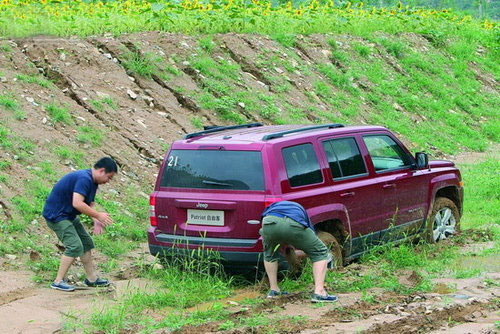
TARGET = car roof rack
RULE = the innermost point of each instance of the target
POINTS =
(212, 129)
(282, 133)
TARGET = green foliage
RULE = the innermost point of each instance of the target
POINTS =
(197, 122)
(88, 134)
(9, 102)
(206, 43)
(482, 204)
(362, 50)
(58, 114)
(42, 82)
(5, 137)
(5, 47)
(144, 65)
(285, 39)
(67, 153)
(393, 47)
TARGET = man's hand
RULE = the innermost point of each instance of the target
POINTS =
(104, 218)
(98, 227)
(80, 205)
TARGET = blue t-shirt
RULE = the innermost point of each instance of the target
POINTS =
(59, 204)
(289, 209)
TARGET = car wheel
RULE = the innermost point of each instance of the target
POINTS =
(444, 220)
(335, 250)
(296, 261)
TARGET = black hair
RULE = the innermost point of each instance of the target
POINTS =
(108, 164)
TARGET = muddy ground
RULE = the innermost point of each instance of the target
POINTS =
(454, 306)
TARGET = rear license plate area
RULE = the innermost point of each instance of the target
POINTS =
(205, 217)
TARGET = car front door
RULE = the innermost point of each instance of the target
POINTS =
(353, 188)
(402, 188)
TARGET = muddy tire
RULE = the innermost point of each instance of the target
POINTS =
(335, 249)
(296, 265)
(443, 222)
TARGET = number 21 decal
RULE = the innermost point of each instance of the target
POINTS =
(172, 161)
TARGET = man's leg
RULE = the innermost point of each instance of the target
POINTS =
(88, 265)
(319, 273)
(66, 262)
(272, 274)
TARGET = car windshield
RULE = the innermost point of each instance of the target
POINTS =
(214, 169)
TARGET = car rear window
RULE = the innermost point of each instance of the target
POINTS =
(214, 169)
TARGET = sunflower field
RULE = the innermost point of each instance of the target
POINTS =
(20, 18)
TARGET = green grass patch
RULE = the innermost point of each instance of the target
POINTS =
(34, 79)
(144, 65)
(58, 114)
(481, 193)
(90, 135)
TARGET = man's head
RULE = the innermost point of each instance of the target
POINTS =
(104, 170)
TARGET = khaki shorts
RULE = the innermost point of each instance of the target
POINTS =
(73, 236)
(277, 231)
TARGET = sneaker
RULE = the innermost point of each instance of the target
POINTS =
(99, 282)
(63, 286)
(274, 294)
(323, 299)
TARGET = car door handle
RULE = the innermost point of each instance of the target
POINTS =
(349, 194)
(389, 186)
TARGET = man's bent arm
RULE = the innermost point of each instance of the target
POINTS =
(80, 205)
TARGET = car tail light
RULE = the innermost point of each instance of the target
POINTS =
(152, 213)
(270, 200)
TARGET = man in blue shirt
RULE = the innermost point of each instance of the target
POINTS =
(287, 222)
(71, 196)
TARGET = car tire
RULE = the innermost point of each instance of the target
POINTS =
(443, 222)
(335, 249)
(296, 264)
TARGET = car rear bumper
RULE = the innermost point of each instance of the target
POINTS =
(234, 253)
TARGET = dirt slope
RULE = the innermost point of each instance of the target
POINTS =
(140, 92)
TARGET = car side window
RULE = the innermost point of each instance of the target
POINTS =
(302, 165)
(386, 153)
(344, 157)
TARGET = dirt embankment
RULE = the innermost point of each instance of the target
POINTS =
(131, 96)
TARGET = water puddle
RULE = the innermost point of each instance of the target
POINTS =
(234, 299)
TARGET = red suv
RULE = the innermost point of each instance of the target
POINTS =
(359, 184)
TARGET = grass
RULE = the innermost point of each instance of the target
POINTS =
(35, 79)
(66, 153)
(482, 200)
(144, 65)
(100, 104)
(90, 135)
(58, 114)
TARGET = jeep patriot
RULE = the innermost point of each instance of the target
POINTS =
(360, 185)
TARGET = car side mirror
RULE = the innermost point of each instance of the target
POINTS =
(422, 160)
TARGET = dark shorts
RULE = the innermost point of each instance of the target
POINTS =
(73, 236)
(277, 231)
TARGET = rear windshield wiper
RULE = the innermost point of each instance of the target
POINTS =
(217, 183)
